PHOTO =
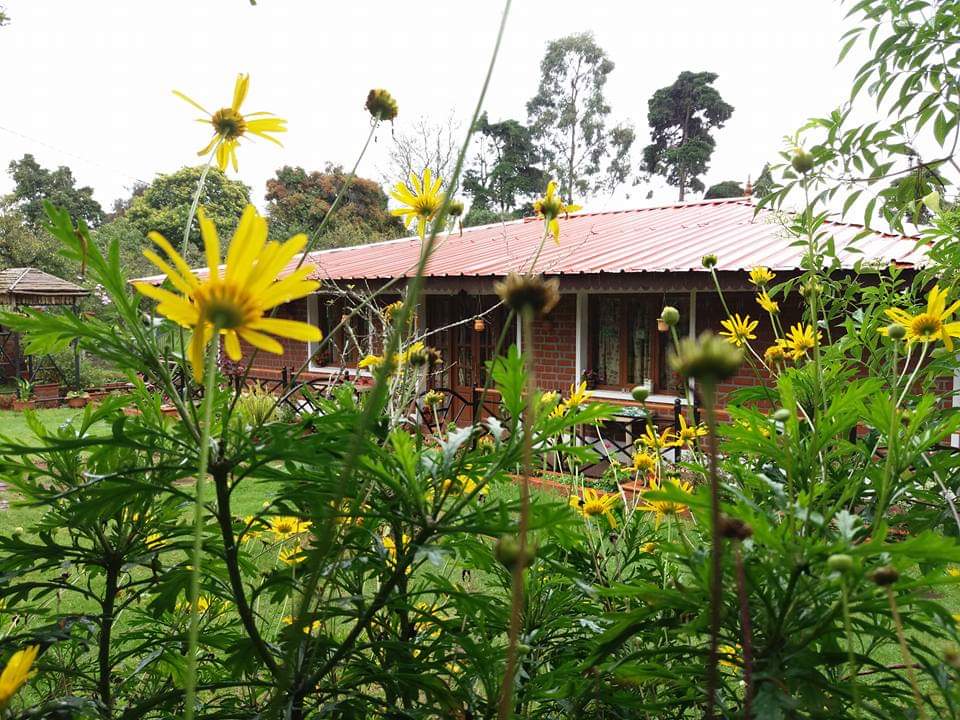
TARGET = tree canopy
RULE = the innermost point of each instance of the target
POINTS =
(298, 200)
(165, 204)
(35, 184)
(682, 117)
(504, 170)
(568, 119)
(725, 189)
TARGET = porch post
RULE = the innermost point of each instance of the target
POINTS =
(581, 336)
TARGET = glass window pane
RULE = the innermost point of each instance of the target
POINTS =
(638, 342)
(608, 340)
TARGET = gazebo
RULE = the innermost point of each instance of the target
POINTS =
(33, 288)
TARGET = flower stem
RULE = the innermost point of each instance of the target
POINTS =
(905, 653)
(709, 395)
(203, 462)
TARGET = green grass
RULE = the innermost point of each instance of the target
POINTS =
(14, 424)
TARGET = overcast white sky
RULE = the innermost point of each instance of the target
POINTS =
(87, 84)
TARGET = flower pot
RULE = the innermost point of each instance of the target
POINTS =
(77, 402)
(6, 401)
(21, 405)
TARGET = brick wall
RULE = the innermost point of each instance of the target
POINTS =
(555, 346)
(294, 351)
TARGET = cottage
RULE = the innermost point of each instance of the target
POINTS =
(616, 269)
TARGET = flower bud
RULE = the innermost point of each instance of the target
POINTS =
(709, 261)
(734, 528)
(782, 415)
(885, 575)
(840, 563)
(528, 292)
(802, 161)
(896, 331)
(381, 105)
(952, 656)
(640, 393)
(670, 315)
(507, 551)
(708, 359)
(455, 209)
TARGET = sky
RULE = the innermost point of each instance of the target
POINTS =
(88, 84)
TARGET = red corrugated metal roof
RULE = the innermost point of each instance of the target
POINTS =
(671, 238)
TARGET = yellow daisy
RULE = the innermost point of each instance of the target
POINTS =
(308, 629)
(421, 200)
(229, 125)
(689, 433)
(665, 508)
(550, 207)
(593, 504)
(767, 303)
(799, 341)
(644, 463)
(236, 298)
(775, 354)
(292, 555)
(285, 527)
(578, 396)
(761, 276)
(738, 330)
(666, 439)
(16, 673)
(931, 325)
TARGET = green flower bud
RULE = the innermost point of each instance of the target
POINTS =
(782, 415)
(670, 315)
(802, 161)
(381, 104)
(896, 331)
(455, 209)
(709, 261)
(507, 551)
(708, 359)
(640, 393)
(840, 563)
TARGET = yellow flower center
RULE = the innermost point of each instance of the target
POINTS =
(593, 507)
(228, 123)
(226, 306)
(548, 208)
(426, 206)
(925, 325)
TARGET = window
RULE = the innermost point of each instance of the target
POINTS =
(345, 345)
(624, 346)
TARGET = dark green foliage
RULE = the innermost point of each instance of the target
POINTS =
(34, 185)
(164, 205)
(725, 189)
(504, 172)
(682, 118)
(568, 119)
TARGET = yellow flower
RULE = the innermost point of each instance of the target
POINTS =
(549, 399)
(729, 655)
(229, 125)
(775, 354)
(285, 527)
(463, 484)
(558, 412)
(738, 330)
(203, 604)
(390, 545)
(154, 541)
(767, 303)
(665, 508)
(578, 396)
(760, 276)
(308, 629)
(931, 325)
(653, 441)
(644, 463)
(953, 572)
(593, 504)
(370, 361)
(16, 673)
(291, 555)
(689, 433)
(648, 547)
(236, 299)
(799, 341)
(550, 207)
(421, 200)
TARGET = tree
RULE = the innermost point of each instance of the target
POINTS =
(297, 201)
(426, 144)
(165, 204)
(725, 189)
(504, 169)
(568, 119)
(131, 242)
(22, 245)
(34, 184)
(681, 117)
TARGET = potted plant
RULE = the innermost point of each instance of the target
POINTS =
(77, 398)
(24, 399)
(6, 400)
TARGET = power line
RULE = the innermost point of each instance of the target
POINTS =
(73, 155)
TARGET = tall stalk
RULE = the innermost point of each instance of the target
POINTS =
(198, 518)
